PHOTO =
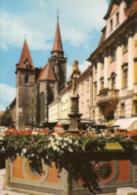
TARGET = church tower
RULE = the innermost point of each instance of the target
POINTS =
(58, 61)
(25, 82)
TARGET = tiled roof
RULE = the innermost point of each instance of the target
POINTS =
(57, 46)
(25, 55)
(1, 113)
(47, 73)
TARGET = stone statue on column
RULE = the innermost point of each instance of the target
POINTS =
(74, 115)
(75, 72)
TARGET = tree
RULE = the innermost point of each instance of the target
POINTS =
(6, 119)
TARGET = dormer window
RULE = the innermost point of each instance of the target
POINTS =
(117, 18)
(111, 25)
(27, 64)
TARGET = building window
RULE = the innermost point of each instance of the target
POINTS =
(113, 76)
(27, 63)
(42, 107)
(82, 107)
(122, 109)
(100, 114)
(88, 84)
(111, 25)
(102, 65)
(26, 79)
(125, 75)
(87, 105)
(102, 83)
(95, 68)
(93, 115)
(82, 87)
(117, 18)
(125, 46)
(135, 107)
(95, 90)
(113, 55)
(135, 44)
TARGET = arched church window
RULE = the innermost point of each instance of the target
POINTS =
(42, 107)
(26, 78)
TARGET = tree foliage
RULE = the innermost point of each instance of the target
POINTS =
(6, 119)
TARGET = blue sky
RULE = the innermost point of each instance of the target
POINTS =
(80, 23)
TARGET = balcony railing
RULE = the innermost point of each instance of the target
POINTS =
(107, 94)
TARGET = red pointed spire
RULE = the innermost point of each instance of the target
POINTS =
(25, 55)
(57, 41)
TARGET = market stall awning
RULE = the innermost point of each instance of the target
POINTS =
(126, 123)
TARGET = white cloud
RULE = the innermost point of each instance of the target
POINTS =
(7, 94)
(84, 66)
(38, 22)
(4, 46)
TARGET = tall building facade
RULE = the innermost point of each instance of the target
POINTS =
(37, 87)
(115, 65)
(113, 91)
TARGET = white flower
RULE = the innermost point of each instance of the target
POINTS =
(59, 138)
(70, 149)
(55, 148)
(1, 138)
(34, 133)
(62, 146)
(112, 135)
(49, 146)
(32, 155)
(66, 138)
(47, 157)
(76, 142)
(65, 144)
(103, 134)
(70, 141)
(24, 150)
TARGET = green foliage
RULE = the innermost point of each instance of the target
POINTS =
(6, 119)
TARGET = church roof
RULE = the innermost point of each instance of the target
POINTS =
(25, 55)
(57, 46)
(47, 73)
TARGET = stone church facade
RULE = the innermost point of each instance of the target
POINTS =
(37, 87)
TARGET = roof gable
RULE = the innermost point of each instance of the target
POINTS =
(25, 57)
(112, 7)
(47, 73)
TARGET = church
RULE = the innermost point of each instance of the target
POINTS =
(37, 87)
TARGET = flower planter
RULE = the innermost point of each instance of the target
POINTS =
(114, 146)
